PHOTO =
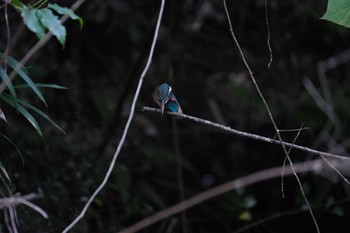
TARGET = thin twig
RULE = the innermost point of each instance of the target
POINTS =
(16, 36)
(8, 35)
(7, 29)
(6, 210)
(322, 69)
(171, 226)
(34, 207)
(248, 135)
(293, 130)
(12, 219)
(268, 34)
(324, 84)
(267, 174)
(127, 125)
(16, 200)
(270, 114)
(7, 221)
(335, 169)
(285, 160)
(327, 108)
(322, 104)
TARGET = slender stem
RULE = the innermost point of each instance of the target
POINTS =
(285, 159)
(268, 40)
(270, 115)
(8, 35)
(7, 27)
(127, 125)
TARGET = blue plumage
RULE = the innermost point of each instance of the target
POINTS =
(165, 98)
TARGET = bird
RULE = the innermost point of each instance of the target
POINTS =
(164, 97)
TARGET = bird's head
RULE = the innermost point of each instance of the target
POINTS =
(162, 95)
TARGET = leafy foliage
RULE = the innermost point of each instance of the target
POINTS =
(23, 111)
(18, 104)
(65, 11)
(32, 21)
(18, 68)
(338, 11)
(40, 20)
(9, 85)
(51, 22)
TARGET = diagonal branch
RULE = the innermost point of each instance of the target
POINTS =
(249, 135)
(267, 174)
(127, 125)
(270, 114)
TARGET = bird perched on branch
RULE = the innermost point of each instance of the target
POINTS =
(163, 96)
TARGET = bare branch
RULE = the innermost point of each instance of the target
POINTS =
(315, 165)
(9, 204)
(269, 113)
(249, 135)
(16, 199)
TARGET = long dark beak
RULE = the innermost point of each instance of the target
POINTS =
(162, 106)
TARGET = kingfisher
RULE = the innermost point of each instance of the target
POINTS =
(163, 96)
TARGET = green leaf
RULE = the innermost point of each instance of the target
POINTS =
(338, 11)
(31, 119)
(14, 64)
(14, 145)
(43, 85)
(44, 115)
(32, 21)
(51, 22)
(41, 113)
(18, 4)
(66, 11)
(8, 83)
(24, 112)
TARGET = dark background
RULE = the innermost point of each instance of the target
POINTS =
(196, 55)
